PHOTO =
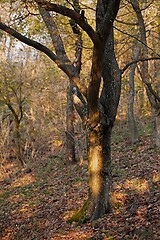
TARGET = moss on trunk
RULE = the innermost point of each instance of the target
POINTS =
(80, 216)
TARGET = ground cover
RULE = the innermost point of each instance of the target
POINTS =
(36, 202)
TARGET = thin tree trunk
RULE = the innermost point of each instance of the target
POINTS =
(131, 118)
(18, 145)
(141, 100)
(157, 129)
(70, 141)
(157, 76)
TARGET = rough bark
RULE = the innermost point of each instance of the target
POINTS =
(100, 171)
(102, 117)
(102, 113)
(108, 108)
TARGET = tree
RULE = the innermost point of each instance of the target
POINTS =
(12, 97)
(70, 138)
(70, 141)
(153, 96)
(129, 27)
(131, 118)
(96, 107)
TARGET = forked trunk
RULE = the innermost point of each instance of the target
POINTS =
(102, 108)
(100, 172)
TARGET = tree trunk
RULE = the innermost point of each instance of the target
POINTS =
(141, 96)
(100, 171)
(131, 118)
(100, 137)
(101, 119)
(157, 76)
(70, 142)
(18, 145)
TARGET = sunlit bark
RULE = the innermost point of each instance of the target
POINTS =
(100, 171)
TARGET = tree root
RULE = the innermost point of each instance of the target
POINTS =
(80, 216)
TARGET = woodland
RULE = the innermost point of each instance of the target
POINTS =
(79, 119)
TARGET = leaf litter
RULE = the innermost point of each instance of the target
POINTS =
(36, 204)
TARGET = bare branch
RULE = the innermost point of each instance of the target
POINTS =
(28, 41)
(66, 67)
(79, 19)
(136, 61)
(7, 102)
(126, 23)
(137, 40)
(149, 87)
(54, 34)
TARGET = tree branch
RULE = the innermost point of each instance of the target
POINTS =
(137, 40)
(126, 23)
(28, 41)
(79, 19)
(110, 15)
(149, 87)
(136, 61)
(54, 34)
(66, 67)
(80, 108)
(7, 102)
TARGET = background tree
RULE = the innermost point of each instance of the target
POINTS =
(126, 31)
(70, 136)
(131, 117)
(42, 123)
(13, 99)
(153, 97)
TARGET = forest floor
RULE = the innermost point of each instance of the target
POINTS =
(35, 204)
